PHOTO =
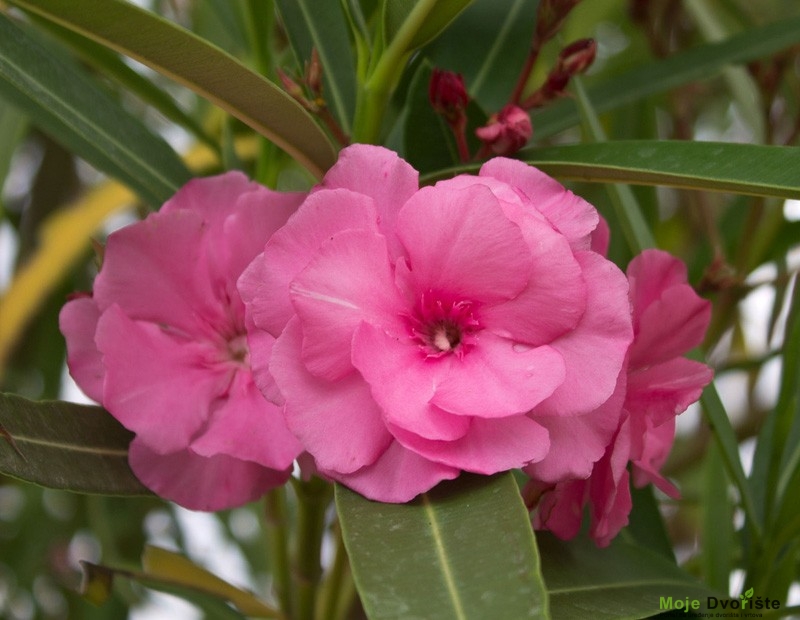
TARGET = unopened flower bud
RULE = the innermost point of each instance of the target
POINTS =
(290, 86)
(448, 95)
(314, 73)
(508, 131)
(577, 57)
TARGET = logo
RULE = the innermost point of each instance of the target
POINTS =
(746, 606)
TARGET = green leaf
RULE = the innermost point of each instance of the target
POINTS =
(111, 65)
(418, 21)
(620, 581)
(463, 550)
(750, 169)
(198, 65)
(65, 446)
(322, 25)
(698, 63)
(65, 102)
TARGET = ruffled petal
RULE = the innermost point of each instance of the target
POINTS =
(349, 281)
(571, 215)
(578, 442)
(157, 385)
(156, 271)
(78, 322)
(459, 242)
(379, 173)
(246, 426)
(498, 378)
(402, 381)
(264, 286)
(337, 422)
(200, 483)
(398, 476)
(560, 509)
(663, 391)
(489, 446)
(554, 299)
(595, 350)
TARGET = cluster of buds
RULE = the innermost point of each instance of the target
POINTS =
(509, 130)
(315, 104)
(573, 60)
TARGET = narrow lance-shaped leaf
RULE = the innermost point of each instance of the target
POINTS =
(64, 101)
(65, 446)
(463, 550)
(750, 169)
(198, 65)
(424, 19)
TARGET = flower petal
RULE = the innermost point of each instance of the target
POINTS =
(489, 446)
(595, 350)
(398, 476)
(264, 286)
(154, 271)
(200, 483)
(349, 281)
(402, 381)
(157, 385)
(571, 215)
(246, 426)
(379, 173)
(578, 442)
(337, 422)
(460, 242)
(498, 378)
(78, 322)
(663, 391)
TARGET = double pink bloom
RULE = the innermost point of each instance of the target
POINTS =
(399, 335)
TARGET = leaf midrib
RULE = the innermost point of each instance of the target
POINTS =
(441, 553)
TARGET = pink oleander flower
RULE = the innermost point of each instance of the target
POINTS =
(669, 319)
(161, 343)
(425, 331)
(506, 132)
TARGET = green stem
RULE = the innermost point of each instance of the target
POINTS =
(634, 227)
(276, 522)
(313, 499)
(336, 597)
(377, 88)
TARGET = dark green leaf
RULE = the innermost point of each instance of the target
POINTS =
(69, 105)
(698, 63)
(463, 550)
(65, 446)
(322, 25)
(738, 168)
(620, 581)
(198, 65)
(418, 21)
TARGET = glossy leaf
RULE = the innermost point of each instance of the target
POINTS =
(698, 63)
(463, 550)
(63, 100)
(198, 65)
(13, 126)
(620, 581)
(65, 446)
(322, 26)
(418, 21)
(738, 168)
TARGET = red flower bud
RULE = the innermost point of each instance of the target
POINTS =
(448, 96)
(577, 56)
(508, 131)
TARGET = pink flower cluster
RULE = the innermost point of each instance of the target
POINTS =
(398, 335)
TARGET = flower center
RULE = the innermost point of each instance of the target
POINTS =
(442, 325)
(237, 352)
